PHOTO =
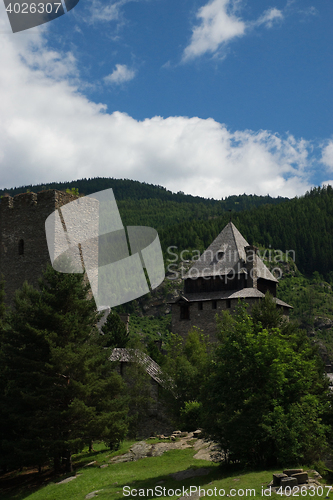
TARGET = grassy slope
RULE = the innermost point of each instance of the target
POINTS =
(143, 474)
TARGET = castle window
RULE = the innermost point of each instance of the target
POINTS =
(228, 302)
(214, 304)
(184, 311)
(21, 247)
(200, 306)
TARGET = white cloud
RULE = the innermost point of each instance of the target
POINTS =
(51, 132)
(218, 25)
(327, 155)
(100, 12)
(120, 75)
(269, 16)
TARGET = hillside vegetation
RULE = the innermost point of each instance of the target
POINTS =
(303, 224)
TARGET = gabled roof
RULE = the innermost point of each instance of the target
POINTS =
(227, 255)
(244, 293)
(137, 356)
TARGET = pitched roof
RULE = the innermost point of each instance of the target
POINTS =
(244, 293)
(137, 356)
(227, 255)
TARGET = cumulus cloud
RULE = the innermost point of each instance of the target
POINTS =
(51, 132)
(120, 75)
(219, 24)
(269, 17)
(327, 155)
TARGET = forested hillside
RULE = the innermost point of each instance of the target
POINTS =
(303, 225)
(126, 189)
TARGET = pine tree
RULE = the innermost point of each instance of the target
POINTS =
(62, 391)
(115, 332)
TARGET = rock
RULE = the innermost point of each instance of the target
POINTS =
(67, 480)
(127, 457)
(183, 434)
(194, 496)
(158, 449)
(288, 481)
(140, 450)
(90, 464)
(197, 433)
(290, 472)
(301, 477)
(173, 438)
(92, 494)
(210, 451)
(104, 466)
(277, 478)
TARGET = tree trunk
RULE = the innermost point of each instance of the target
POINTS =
(68, 461)
(56, 463)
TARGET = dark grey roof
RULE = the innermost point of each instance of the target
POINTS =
(245, 293)
(137, 356)
(233, 260)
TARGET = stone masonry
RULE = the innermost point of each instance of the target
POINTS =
(23, 249)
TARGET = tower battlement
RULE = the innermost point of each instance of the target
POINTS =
(23, 248)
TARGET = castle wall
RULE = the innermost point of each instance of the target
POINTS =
(214, 283)
(205, 319)
(23, 248)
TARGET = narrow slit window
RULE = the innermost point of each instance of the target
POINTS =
(200, 306)
(21, 247)
(228, 303)
(184, 312)
(214, 304)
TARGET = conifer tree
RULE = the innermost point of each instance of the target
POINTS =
(62, 391)
(115, 332)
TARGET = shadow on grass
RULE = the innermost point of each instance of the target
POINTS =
(163, 484)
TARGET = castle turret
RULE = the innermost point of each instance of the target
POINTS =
(24, 253)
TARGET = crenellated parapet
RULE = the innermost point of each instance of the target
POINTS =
(23, 248)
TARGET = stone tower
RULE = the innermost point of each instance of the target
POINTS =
(23, 248)
(228, 271)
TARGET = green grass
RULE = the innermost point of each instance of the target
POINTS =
(144, 474)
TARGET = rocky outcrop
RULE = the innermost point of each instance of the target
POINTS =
(205, 450)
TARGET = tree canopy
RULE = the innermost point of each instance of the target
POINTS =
(267, 393)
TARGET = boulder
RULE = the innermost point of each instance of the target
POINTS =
(288, 481)
(277, 478)
(301, 477)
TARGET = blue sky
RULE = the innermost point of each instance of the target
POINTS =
(212, 98)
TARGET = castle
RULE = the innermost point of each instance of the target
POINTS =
(24, 253)
(227, 271)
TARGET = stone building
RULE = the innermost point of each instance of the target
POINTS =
(155, 420)
(227, 271)
(24, 253)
